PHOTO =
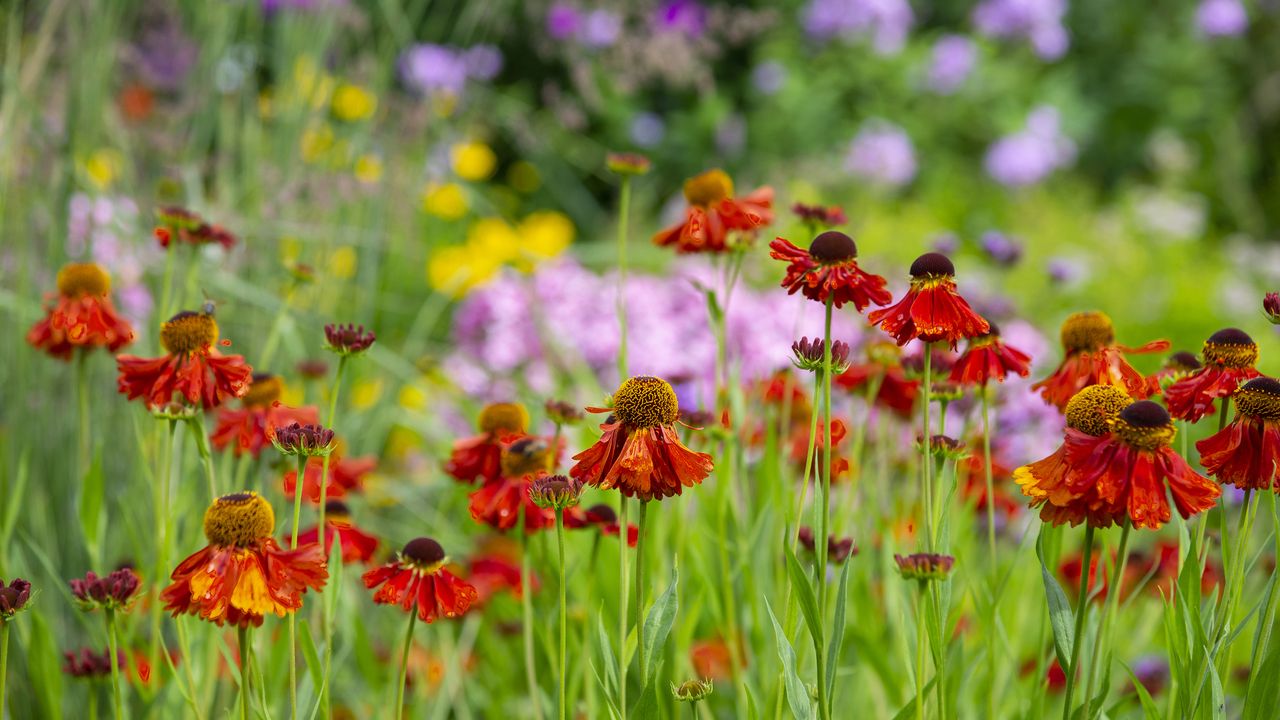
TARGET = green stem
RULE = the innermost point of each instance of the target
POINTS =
(113, 646)
(324, 500)
(404, 660)
(640, 598)
(82, 401)
(824, 517)
(245, 662)
(1235, 583)
(293, 620)
(191, 679)
(4, 662)
(624, 209)
(927, 447)
(297, 503)
(623, 587)
(986, 461)
(161, 500)
(526, 604)
(564, 621)
(1082, 602)
(1101, 648)
(920, 652)
(196, 425)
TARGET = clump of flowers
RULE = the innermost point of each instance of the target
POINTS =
(1246, 453)
(82, 316)
(480, 457)
(714, 213)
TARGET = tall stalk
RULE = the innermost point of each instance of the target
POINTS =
(824, 517)
(1082, 602)
(986, 461)
(624, 210)
(641, 546)
(926, 445)
(4, 662)
(564, 621)
(404, 659)
(623, 591)
(326, 621)
(83, 443)
(293, 619)
(113, 646)
(161, 501)
(245, 653)
(526, 606)
(1101, 648)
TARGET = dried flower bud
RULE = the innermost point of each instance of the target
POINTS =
(563, 413)
(348, 339)
(116, 591)
(941, 445)
(13, 598)
(838, 549)
(809, 355)
(306, 440)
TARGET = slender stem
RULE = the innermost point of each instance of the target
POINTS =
(82, 401)
(809, 457)
(526, 604)
(161, 497)
(624, 209)
(564, 622)
(245, 655)
(641, 546)
(196, 425)
(927, 446)
(1235, 584)
(293, 620)
(986, 461)
(327, 621)
(824, 517)
(324, 465)
(920, 653)
(623, 587)
(1082, 601)
(113, 646)
(404, 659)
(1101, 647)
(4, 662)
(297, 503)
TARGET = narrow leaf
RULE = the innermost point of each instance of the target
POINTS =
(837, 635)
(800, 585)
(797, 694)
(657, 625)
(1060, 616)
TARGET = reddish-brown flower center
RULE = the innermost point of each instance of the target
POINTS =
(1182, 361)
(1087, 332)
(80, 279)
(933, 265)
(188, 332)
(1231, 348)
(239, 519)
(833, 248)
(645, 402)
(264, 390)
(1091, 410)
(423, 554)
(1144, 425)
(708, 188)
(526, 456)
(504, 417)
(1260, 398)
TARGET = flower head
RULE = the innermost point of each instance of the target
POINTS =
(987, 358)
(529, 455)
(829, 270)
(931, 310)
(348, 339)
(838, 549)
(692, 690)
(555, 491)
(242, 574)
(810, 355)
(1271, 307)
(924, 567)
(116, 591)
(627, 163)
(82, 316)
(1092, 357)
(90, 664)
(1246, 453)
(820, 216)
(193, 367)
(303, 440)
(480, 457)
(417, 578)
(1177, 366)
(562, 413)
(640, 452)
(181, 226)
(249, 429)
(714, 213)
(1229, 356)
(13, 598)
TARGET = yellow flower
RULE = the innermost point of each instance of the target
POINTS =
(290, 249)
(342, 263)
(455, 270)
(368, 169)
(316, 142)
(413, 397)
(292, 396)
(103, 167)
(493, 239)
(524, 177)
(545, 235)
(365, 394)
(353, 103)
(473, 160)
(446, 201)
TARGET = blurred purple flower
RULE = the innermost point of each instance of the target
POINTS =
(1000, 248)
(951, 62)
(429, 69)
(647, 130)
(887, 21)
(1064, 271)
(164, 54)
(1038, 21)
(682, 16)
(483, 62)
(563, 21)
(945, 243)
(600, 29)
(731, 135)
(1153, 672)
(1222, 18)
(1030, 155)
(882, 153)
(768, 77)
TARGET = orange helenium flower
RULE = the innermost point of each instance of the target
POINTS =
(640, 452)
(82, 316)
(480, 457)
(987, 358)
(345, 475)
(1247, 451)
(243, 574)
(829, 269)
(931, 310)
(714, 212)
(1093, 358)
(250, 427)
(193, 368)
(357, 545)
(1229, 357)
(418, 577)
(500, 502)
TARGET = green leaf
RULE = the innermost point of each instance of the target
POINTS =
(797, 693)
(42, 666)
(1060, 616)
(800, 585)
(909, 710)
(657, 625)
(837, 635)
(1264, 691)
(1149, 709)
(13, 496)
(92, 494)
(647, 706)
(309, 653)
(608, 656)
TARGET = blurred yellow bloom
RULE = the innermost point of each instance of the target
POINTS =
(493, 239)
(368, 169)
(266, 104)
(545, 234)
(316, 142)
(312, 85)
(365, 394)
(400, 440)
(413, 397)
(103, 167)
(473, 160)
(290, 249)
(445, 200)
(353, 103)
(293, 396)
(342, 263)
(455, 270)
(524, 177)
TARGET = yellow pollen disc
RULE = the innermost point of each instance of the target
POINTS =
(1092, 408)
(1087, 331)
(708, 188)
(1256, 403)
(509, 417)
(526, 457)
(239, 520)
(1230, 355)
(263, 391)
(80, 279)
(1141, 437)
(645, 402)
(188, 332)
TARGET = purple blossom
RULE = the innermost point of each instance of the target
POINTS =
(600, 29)
(483, 62)
(882, 153)
(945, 243)
(1222, 18)
(563, 21)
(1064, 271)
(647, 130)
(1002, 249)
(165, 54)
(430, 69)
(1030, 155)
(888, 22)
(1037, 21)
(682, 16)
(768, 77)
(951, 61)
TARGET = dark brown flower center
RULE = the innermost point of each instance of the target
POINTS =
(933, 264)
(833, 248)
(1144, 425)
(1231, 348)
(423, 553)
(264, 390)
(1260, 398)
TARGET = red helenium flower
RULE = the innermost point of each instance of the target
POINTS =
(82, 316)
(829, 270)
(1246, 453)
(193, 368)
(987, 358)
(1229, 357)
(357, 545)
(932, 310)
(417, 577)
(479, 458)
(1093, 358)
(714, 212)
(261, 412)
